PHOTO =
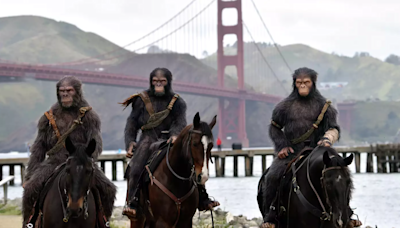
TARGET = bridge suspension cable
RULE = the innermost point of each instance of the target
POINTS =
(158, 40)
(80, 61)
(270, 35)
(263, 57)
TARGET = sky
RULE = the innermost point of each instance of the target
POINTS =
(340, 26)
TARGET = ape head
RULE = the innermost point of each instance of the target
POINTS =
(69, 92)
(160, 82)
(304, 81)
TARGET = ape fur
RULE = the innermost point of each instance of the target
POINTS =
(174, 123)
(39, 169)
(296, 115)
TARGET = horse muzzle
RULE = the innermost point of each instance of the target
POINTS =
(75, 209)
(202, 178)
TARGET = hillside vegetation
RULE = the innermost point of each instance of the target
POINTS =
(30, 39)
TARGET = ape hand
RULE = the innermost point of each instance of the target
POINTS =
(172, 139)
(325, 143)
(285, 152)
(129, 152)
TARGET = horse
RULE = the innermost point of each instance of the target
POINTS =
(69, 201)
(316, 191)
(171, 197)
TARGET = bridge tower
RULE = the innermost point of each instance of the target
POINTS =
(231, 112)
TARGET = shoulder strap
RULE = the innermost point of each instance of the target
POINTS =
(50, 117)
(171, 104)
(147, 102)
(314, 126)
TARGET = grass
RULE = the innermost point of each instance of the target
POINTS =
(10, 210)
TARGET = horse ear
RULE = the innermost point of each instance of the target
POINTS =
(327, 159)
(196, 120)
(348, 160)
(69, 146)
(213, 122)
(91, 147)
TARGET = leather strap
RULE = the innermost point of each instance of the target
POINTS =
(147, 102)
(314, 126)
(50, 117)
(178, 201)
(307, 205)
(172, 102)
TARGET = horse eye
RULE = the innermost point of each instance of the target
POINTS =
(195, 144)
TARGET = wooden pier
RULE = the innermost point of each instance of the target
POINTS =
(386, 157)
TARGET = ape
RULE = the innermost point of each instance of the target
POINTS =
(161, 115)
(52, 125)
(297, 116)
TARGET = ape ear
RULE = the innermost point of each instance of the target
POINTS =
(213, 122)
(327, 159)
(196, 120)
(69, 146)
(348, 160)
(91, 148)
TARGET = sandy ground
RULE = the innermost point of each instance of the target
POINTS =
(10, 221)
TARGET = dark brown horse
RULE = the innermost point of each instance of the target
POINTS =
(171, 199)
(317, 190)
(69, 201)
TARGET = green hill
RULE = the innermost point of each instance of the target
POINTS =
(34, 40)
(367, 77)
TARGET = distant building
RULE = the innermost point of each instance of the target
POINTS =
(331, 85)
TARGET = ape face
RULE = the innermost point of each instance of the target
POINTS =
(304, 85)
(159, 83)
(66, 94)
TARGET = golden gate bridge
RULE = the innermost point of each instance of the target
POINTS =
(200, 28)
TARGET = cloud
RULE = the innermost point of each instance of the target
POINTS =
(340, 26)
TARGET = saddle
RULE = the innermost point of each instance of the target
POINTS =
(156, 157)
(38, 205)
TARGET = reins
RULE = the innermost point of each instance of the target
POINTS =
(323, 215)
(178, 201)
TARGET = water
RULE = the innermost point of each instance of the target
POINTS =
(376, 196)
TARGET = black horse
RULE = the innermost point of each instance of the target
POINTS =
(315, 191)
(69, 202)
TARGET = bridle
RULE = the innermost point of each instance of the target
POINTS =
(85, 201)
(191, 178)
(324, 215)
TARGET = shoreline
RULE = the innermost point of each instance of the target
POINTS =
(10, 215)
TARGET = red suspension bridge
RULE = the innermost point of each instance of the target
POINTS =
(196, 31)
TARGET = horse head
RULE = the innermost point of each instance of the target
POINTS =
(337, 186)
(200, 141)
(79, 172)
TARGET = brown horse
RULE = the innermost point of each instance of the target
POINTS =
(171, 199)
(69, 201)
